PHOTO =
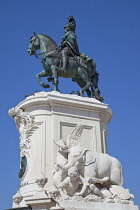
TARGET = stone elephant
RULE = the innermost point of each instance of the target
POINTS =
(94, 165)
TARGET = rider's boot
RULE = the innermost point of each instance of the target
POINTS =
(65, 60)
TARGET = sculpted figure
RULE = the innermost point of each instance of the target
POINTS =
(61, 158)
(94, 165)
(69, 43)
(89, 187)
(91, 164)
(72, 182)
(75, 184)
(89, 175)
(65, 62)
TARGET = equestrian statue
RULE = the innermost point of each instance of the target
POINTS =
(65, 61)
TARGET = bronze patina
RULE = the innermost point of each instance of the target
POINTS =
(65, 61)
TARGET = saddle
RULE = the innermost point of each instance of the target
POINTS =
(82, 59)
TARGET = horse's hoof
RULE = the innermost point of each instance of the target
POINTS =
(78, 93)
(62, 70)
(50, 79)
(101, 99)
(45, 85)
(81, 93)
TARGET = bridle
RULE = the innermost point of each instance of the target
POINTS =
(36, 54)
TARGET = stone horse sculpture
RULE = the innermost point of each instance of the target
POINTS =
(51, 62)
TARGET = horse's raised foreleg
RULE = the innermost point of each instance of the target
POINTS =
(42, 74)
(55, 74)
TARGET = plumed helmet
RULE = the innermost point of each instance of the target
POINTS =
(71, 24)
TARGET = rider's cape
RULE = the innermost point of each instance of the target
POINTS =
(70, 39)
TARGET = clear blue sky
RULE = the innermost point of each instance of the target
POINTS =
(109, 32)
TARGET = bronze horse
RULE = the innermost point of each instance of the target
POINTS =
(51, 62)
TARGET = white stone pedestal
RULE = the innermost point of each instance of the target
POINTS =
(43, 118)
(78, 205)
(48, 116)
(41, 203)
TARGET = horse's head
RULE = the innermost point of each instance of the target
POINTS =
(34, 44)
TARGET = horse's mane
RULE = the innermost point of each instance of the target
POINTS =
(49, 38)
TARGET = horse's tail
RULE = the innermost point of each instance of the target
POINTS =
(94, 81)
(95, 92)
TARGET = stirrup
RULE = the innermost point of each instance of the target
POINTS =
(50, 79)
(62, 69)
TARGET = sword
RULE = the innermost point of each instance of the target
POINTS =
(73, 55)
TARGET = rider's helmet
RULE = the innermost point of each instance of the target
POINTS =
(71, 25)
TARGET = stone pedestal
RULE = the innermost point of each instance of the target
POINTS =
(43, 118)
(41, 203)
(78, 205)
(48, 116)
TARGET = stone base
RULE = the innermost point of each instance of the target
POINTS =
(20, 208)
(79, 205)
(48, 116)
(76, 205)
(43, 203)
(45, 118)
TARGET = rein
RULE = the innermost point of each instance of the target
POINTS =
(45, 52)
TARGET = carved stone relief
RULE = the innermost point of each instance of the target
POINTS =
(75, 175)
(26, 125)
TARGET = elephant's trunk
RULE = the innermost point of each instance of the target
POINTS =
(75, 158)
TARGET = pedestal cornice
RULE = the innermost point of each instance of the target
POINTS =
(54, 98)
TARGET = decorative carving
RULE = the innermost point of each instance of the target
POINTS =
(120, 193)
(73, 138)
(26, 125)
(75, 184)
(90, 175)
(42, 181)
(41, 193)
(61, 158)
(62, 155)
(71, 183)
(17, 198)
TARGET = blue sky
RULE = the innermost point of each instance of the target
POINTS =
(109, 32)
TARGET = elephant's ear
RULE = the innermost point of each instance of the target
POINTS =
(73, 138)
(88, 157)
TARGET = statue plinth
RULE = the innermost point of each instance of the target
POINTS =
(46, 117)
(49, 116)
(78, 205)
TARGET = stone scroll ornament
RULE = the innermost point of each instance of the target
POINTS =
(26, 125)
(81, 174)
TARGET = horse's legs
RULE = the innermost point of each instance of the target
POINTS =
(82, 84)
(86, 80)
(88, 93)
(85, 88)
(42, 74)
(55, 74)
